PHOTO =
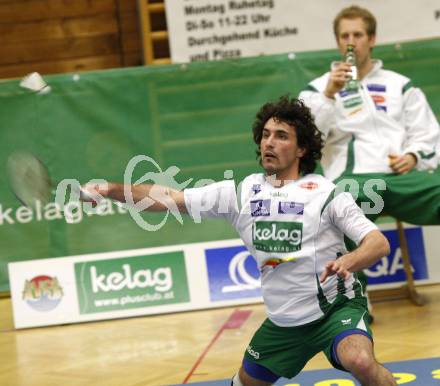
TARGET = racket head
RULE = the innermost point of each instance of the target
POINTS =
(29, 179)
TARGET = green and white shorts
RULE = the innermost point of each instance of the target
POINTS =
(286, 350)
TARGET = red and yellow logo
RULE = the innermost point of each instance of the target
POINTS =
(309, 185)
(275, 261)
(42, 293)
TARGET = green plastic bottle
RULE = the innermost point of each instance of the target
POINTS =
(353, 83)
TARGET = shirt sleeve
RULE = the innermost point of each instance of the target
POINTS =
(217, 200)
(349, 218)
(422, 129)
(322, 108)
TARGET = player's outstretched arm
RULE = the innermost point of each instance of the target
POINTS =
(372, 247)
(149, 197)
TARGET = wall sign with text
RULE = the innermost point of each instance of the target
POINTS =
(202, 30)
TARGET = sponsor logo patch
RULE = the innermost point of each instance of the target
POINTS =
(260, 208)
(277, 236)
(377, 87)
(290, 207)
(379, 102)
(275, 261)
(344, 93)
(309, 185)
(352, 102)
(253, 353)
(278, 194)
(256, 188)
(378, 98)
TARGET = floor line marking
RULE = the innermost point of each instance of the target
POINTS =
(235, 320)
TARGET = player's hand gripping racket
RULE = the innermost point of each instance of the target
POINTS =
(30, 181)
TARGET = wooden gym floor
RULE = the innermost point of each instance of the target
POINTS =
(191, 346)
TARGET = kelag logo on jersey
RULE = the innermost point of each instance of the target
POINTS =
(277, 236)
(390, 269)
(232, 273)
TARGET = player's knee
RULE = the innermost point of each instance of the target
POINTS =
(360, 362)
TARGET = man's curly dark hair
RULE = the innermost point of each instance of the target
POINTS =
(295, 113)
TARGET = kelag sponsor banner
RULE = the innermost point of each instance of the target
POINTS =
(124, 283)
(135, 282)
(100, 286)
(201, 30)
(174, 278)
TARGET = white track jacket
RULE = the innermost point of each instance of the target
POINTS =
(387, 116)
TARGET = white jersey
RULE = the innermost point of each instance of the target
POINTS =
(292, 232)
(387, 116)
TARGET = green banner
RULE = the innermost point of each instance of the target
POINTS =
(197, 117)
(131, 282)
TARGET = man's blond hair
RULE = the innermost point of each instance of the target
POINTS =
(354, 12)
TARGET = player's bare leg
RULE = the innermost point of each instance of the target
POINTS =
(355, 352)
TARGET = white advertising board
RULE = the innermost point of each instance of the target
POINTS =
(201, 30)
(174, 278)
(115, 285)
